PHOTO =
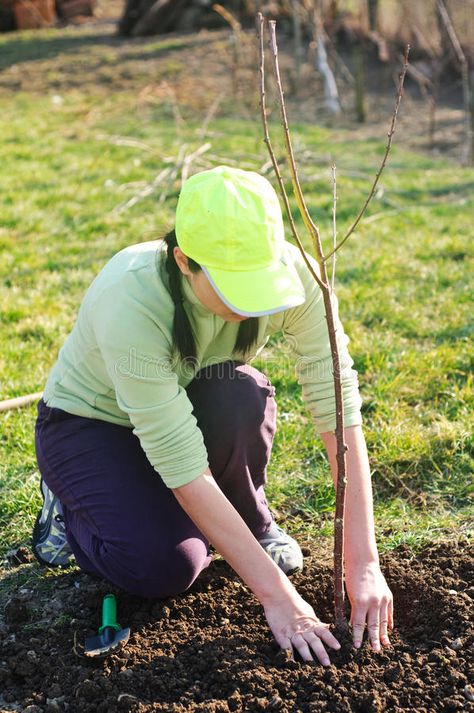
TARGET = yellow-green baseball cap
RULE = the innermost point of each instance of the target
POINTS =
(230, 222)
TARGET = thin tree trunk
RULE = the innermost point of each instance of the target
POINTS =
(360, 81)
(372, 12)
(333, 12)
(467, 154)
(471, 109)
(323, 282)
(331, 95)
(297, 43)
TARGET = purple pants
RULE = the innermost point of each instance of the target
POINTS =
(123, 523)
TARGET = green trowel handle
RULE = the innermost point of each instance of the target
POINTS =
(109, 613)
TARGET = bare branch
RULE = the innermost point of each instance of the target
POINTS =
(310, 226)
(461, 57)
(260, 22)
(334, 229)
(228, 17)
(181, 163)
(125, 141)
(237, 43)
(213, 109)
(20, 401)
(385, 157)
(188, 160)
(146, 191)
(178, 119)
(173, 174)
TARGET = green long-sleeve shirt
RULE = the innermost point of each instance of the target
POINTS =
(118, 363)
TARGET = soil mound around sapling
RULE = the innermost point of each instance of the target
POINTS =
(210, 648)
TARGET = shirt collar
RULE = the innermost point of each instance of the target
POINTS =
(189, 297)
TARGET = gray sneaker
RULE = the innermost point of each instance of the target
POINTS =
(50, 545)
(283, 549)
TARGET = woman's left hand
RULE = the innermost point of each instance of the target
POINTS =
(371, 604)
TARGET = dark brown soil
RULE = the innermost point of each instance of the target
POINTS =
(211, 650)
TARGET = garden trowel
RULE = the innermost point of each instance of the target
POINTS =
(110, 634)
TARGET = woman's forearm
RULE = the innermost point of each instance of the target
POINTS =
(292, 620)
(222, 525)
(359, 533)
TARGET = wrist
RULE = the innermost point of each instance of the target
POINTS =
(360, 548)
(367, 561)
(276, 590)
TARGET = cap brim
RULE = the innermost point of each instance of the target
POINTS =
(256, 293)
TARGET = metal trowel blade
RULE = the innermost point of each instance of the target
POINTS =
(96, 646)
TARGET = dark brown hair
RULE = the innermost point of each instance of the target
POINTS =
(183, 335)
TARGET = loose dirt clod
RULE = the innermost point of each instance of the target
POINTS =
(210, 649)
(16, 611)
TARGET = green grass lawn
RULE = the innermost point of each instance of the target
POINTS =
(405, 286)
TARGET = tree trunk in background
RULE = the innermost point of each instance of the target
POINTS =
(331, 94)
(297, 39)
(360, 81)
(129, 17)
(149, 17)
(446, 47)
(471, 82)
(332, 14)
(372, 10)
(158, 17)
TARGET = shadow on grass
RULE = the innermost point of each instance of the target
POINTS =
(28, 49)
(33, 48)
(458, 189)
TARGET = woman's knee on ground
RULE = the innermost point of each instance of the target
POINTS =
(160, 574)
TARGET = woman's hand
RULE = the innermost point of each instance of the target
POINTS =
(294, 624)
(371, 604)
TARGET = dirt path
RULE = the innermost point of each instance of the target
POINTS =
(211, 650)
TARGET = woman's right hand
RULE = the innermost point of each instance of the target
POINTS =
(291, 619)
(294, 624)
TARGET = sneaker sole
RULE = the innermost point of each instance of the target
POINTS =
(38, 530)
(295, 570)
